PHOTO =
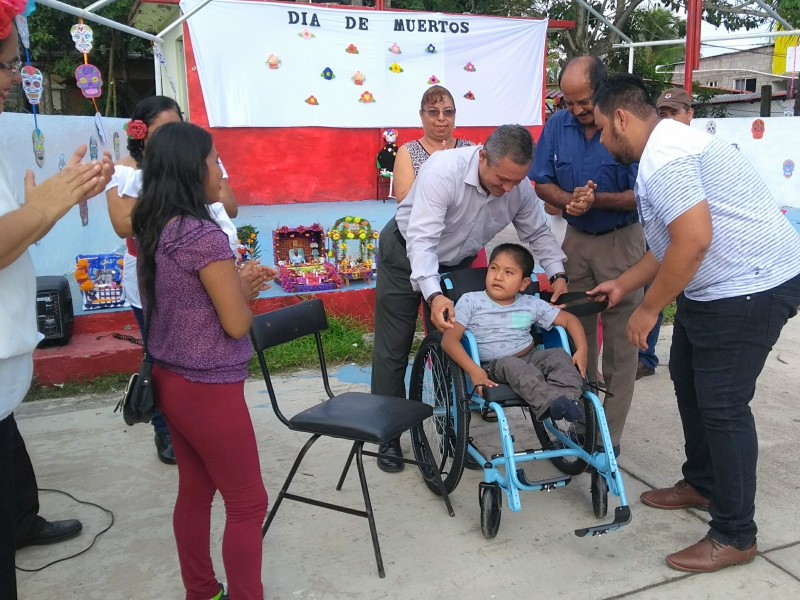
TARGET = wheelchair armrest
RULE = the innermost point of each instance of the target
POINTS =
(556, 338)
(471, 346)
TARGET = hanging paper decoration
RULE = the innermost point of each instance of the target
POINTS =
(83, 36)
(93, 153)
(23, 31)
(89, 81)
(38, 146)
(358, 78)
(62, 162)
(273, 61)
(116, 145)
(32, 83)
(161, 61)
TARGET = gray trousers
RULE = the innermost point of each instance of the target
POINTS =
(592, 260)
(538, 377)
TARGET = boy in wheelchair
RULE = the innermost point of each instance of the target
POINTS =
(501, 318)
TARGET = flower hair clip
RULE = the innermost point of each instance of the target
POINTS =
(8, 10)
(136, 129)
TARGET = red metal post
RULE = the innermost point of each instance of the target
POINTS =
(694, 16)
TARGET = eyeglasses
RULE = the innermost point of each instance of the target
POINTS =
(447, 113)
(14, 68)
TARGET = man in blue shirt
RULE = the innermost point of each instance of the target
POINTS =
(575, 173)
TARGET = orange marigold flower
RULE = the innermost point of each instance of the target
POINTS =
(87, 286)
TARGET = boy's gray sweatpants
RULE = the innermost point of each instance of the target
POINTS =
(539, 377)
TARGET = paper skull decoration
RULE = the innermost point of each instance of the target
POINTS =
(757, 129)
(788, 168)
(116, 145)
(32, 83)
(89, 81)
(83, 36)
(711, 127)
(37, 137)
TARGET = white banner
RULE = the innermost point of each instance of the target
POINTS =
(301, 65)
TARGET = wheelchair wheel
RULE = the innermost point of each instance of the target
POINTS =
(599, 495)
(490, 499)
(570, 465)
(433, 381)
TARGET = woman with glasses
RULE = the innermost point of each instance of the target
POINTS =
(438, 113)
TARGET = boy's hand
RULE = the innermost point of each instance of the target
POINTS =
(580, 360)
(480, 379)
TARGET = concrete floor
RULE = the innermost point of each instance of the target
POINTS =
(80, 446)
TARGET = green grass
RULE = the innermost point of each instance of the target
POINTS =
(343, 342)
(669, 314)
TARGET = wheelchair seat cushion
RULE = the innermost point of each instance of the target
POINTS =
(503, 395)
(361, 416)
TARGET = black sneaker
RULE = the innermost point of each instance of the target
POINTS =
(164, 449)
(569, 409)
(642, 370)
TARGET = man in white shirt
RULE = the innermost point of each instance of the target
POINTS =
(459, 201)
(720, 245)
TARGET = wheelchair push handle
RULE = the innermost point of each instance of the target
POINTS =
(577, 303)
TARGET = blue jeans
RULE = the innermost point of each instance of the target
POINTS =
(648, 357)
(718, 351)
(158, 421)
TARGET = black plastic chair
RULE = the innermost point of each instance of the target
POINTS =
(354, 416)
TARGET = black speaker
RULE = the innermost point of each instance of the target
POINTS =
(54, 316)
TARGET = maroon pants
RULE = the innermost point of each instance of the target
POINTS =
(215, 447)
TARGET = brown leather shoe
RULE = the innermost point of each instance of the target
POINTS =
(708, 555)
(680, 495)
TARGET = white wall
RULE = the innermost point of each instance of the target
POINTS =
(778, 144)
(55, 254)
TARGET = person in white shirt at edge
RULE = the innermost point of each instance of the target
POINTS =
(21, 226)
(121, 193)
(458, 202)
(719, 244)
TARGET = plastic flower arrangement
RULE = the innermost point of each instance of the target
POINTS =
(248, 238)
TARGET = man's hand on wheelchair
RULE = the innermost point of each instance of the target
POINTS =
(443, 311)
(480, 379)
(608, 290)
(559, 287)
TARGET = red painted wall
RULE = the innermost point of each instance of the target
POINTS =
(287, 165)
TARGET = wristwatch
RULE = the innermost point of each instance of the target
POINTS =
(559, 276)
(432, 296)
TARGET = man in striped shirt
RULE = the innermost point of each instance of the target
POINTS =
(719, 244)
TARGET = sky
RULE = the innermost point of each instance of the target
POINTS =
(722, 47)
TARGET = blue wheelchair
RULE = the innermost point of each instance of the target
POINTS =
(572, 448)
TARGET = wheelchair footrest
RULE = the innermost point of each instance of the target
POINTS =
(544, 484)
(622, 516)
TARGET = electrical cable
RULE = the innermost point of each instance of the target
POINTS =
(97, 535)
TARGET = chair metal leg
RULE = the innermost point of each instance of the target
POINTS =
(285, 487)
(434, 469)
(347, 466)
(368, 505)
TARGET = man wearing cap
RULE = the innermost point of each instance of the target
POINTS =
(675, 104)
(604, 237)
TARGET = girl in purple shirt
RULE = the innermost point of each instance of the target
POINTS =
(197, 314)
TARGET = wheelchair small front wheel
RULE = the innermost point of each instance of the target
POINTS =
(490, 499)
(599, 494)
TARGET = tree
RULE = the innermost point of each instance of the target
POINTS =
(53, 52)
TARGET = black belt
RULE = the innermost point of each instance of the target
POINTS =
(613, 229)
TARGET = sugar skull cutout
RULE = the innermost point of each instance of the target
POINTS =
(32, 83)
(116, 145)
(83, 36)
(711, 127)
(93, 154)
(38, 146)
(757, 129)
(788, 168)
(62, 162)
(89, 81)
